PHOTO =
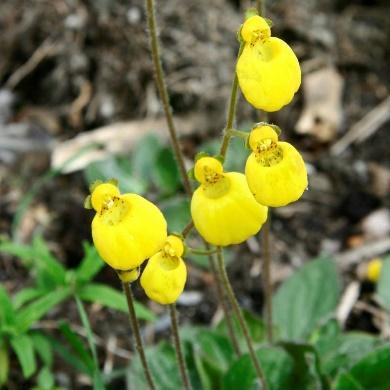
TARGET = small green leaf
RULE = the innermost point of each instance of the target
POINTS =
(45, 379)
(97, 376)
(383, 288)
(23, 347)
(90, 265)
(306, 298)
(47, 265)
(277, 366)
(109, 297)
(88, 203)
(371, 372)
(23, 252)
(80, 357)
(7, 313)
(43, 347)
(26, 295)
(38, 308)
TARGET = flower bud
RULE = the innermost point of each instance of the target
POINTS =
(223, 209)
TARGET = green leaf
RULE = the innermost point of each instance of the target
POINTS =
(383, 288)
(255, 325)
(23, 347)
(166, 174)
(45, 379)
(90, 265)
(177, 212)
(371, 372)
(306, 298)
(277, 366)
(213, 354)
(144, 156)
(118, 167)
(4, 363)
(23, 252)
(7, 313)
(43, 347)
(107, 296)
(26, 295)
(37, 309)
(47, 264)
(97, 376)
(346, 381)
(80, 357)
(307, 369)
(163, 366)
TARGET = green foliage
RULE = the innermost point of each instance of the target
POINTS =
(371, 372)
(54, 285)
(306, 298)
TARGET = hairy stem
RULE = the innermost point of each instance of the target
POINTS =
(162, 89)
(231, 110)
(221, 299)
(179, 353)
(260, 5)
(137, 335)
(267, 277)
(240, 317)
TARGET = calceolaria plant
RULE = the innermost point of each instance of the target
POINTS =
(227, 208)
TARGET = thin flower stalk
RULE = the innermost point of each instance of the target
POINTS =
(179, 352)
(137, 335)
(162, 88)
(240, 318)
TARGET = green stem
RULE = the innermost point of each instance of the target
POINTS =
(201, 252)
(221, 299)
(267, 277)
(137, 335)
(238, 133)
(240, 317)
(187, 229)
(231, 110)
(260, 5)
(179, 353)
(162, 89)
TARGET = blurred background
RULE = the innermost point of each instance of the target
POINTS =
(78, 103)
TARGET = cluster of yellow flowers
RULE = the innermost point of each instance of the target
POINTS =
(228, 207)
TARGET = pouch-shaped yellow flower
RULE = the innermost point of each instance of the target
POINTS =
(127, 229)
(275, 171)
(268, 71)
(165, 274)
(223, 209)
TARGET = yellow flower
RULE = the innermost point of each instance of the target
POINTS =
(374, 269)
(165, 274)
(275, 171)
(127, 229)
(222, 207)
(268, 71)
